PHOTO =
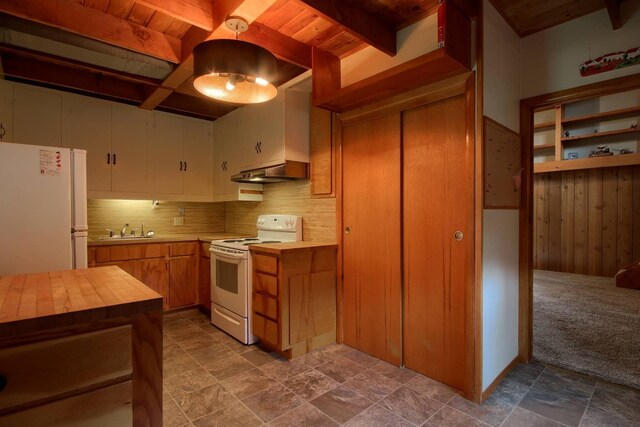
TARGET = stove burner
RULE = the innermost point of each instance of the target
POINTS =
(233, 241)
(250, 238)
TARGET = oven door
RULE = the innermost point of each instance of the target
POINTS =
(229, 280)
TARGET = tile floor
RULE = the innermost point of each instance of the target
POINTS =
(211, 379)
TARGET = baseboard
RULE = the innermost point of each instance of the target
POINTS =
(487, 392)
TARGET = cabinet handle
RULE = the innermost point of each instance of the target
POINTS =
(114, 158)
(181, 165)
(3, 382)
(108, 158)
(458, 235)
(185, 166)
(2, 131)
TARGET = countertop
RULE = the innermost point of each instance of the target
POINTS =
(165, 238)
(279, 248)
(34, 302)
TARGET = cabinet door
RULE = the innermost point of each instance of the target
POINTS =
(198, 158)
(129, 146)
(165, 150)
(86, 124)
(36, 117)
(249, 132)
(182, 281)
(224, 149)
(6, 111)
(204, 279)
(269, 124)
(153, 273)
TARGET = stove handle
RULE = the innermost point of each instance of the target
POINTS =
(224, 316)
(227, 255)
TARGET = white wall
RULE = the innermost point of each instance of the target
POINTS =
(411, 42)
(499, 291)
(500, 227)
(551, 59)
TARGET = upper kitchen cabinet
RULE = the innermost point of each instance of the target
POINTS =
(86, 124)
(129, 147)
(182, 154)
(275, 131)
(227, 155)
(6, 112)
(36, 116)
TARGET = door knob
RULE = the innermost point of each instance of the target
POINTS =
(347, 229)
(458, 235)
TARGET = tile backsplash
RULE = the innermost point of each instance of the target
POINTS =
(113, 214)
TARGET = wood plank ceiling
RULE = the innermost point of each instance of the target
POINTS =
(168, 30)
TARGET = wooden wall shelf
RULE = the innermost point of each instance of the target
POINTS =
(588, 163)
(544, 146)
(544, 125)
(614, 114)
(601, 134)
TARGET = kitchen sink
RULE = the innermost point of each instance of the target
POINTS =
(127, 237)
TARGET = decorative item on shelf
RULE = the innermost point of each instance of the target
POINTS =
(572, 155)
(601, 151)
(633, 126)
(567, 134)
(234, 70)
(611, 61)
(625, 151)
(595, 131)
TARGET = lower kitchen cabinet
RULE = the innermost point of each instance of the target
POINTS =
(294, 296)
(170, 269)
(182, 281)
(204, 279)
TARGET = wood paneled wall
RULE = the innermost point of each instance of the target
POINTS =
(587, 221)
(318, 215)
(113, 214)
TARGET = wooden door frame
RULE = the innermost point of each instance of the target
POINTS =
(527, 107)
(461, 84)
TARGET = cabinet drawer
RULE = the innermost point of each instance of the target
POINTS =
(265, 305)
(265, 284)
(129, 252)
(109, 406)
(183, 249)
(48, 368)
(265, 329)
(265, 263)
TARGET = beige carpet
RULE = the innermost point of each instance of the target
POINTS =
(587, 325)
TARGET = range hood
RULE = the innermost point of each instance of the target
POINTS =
(287, 171)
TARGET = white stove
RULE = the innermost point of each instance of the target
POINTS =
(231, 273)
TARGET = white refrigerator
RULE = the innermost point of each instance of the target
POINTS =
(43, 209)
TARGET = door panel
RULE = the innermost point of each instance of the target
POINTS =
(182, 281)
(198, 157)
(372, 263)
(167, 154)
(438, 290)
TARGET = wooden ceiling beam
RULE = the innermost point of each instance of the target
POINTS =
(194, 12)
(357, 22)
(72, 16)
(248, 9)
(70, 78)
(613, 8)
(284, 47)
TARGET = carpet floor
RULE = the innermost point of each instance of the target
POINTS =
(588, 325)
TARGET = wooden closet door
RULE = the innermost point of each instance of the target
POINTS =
(371, 249)
(437, 202)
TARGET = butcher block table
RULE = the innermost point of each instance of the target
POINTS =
(80, 348)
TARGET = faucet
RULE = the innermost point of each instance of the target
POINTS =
(142, 231)
(110, 232)
(124, 230)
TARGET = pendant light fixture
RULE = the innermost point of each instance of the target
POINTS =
(234, 70)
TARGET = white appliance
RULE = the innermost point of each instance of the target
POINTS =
(43, 209)
(231, 273)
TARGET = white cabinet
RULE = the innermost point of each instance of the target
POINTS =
(129, 150)
(227, 154)
(275, 131)
(198, 157)
(86, 124)
(181, 150)
(6, 111)
(36, 116)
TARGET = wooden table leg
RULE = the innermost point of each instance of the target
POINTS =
(147, 369)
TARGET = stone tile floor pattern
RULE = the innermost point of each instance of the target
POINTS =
(210, 379)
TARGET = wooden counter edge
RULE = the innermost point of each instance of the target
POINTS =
(280, 248)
